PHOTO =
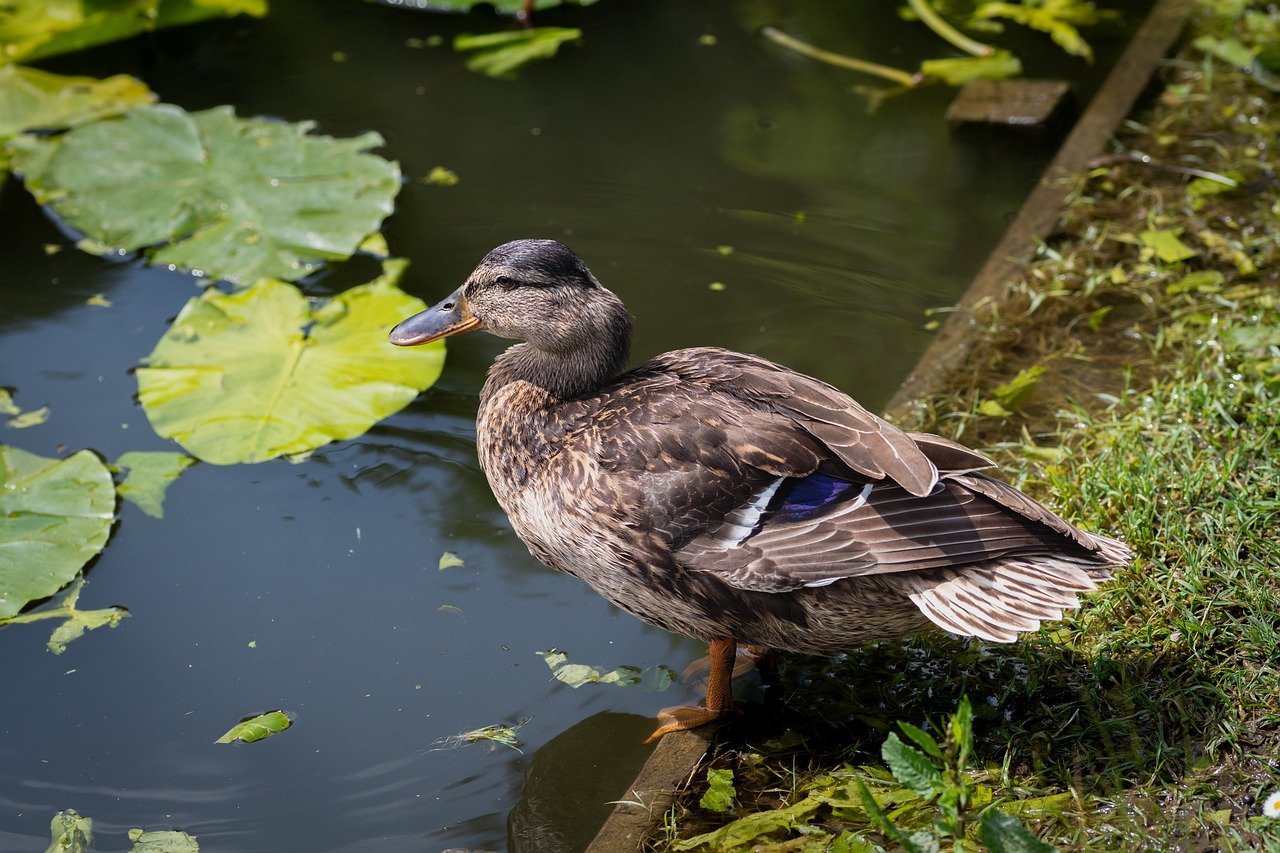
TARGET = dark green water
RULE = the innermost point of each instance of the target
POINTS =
(644, 150)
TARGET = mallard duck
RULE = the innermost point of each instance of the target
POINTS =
(724, 497)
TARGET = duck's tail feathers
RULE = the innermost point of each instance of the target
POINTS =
(1003, 598)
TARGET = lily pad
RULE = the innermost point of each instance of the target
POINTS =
(31, 29)
(501, 55)
(31, 99)
(266, 372)
(75, 621)
(257, 727)
(150, 473)
(224, 196)
(55, 515)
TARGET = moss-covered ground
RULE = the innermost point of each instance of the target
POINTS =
(1147, 335)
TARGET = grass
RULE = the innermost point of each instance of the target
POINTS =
(1151, 718)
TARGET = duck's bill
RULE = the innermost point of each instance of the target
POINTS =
(449, 317)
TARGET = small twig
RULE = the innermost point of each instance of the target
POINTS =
(897, 75)
(931, 19)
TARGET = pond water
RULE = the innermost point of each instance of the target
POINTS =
(314, 587)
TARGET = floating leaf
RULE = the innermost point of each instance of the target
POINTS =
(500, 733)
(257, 727)
(655, 678)
(1166, 246)
(502, 54)
(449, 560)
(263, 372)
(960, 70)
(162, 841)
(230, 197)
(150, 473)
(912, 767)
(7, 406)
(98, 301)
(441, 177)
(30, 29)
(1015, 392)
(1004, 833)
(31, 99)
(35, 417)
(720, 795)
(54, 516)
(70, 833)
(75, 623)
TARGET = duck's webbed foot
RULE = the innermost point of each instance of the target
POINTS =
(722, 656)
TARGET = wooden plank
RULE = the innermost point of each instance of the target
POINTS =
(1113, 103)
(1018, 103)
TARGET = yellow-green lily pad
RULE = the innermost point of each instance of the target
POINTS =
(223, 196)
(257, 727)
(31, 29)
(31, 99)
(267, 372)
(55, 515)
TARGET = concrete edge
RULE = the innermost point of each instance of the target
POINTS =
(679, 755)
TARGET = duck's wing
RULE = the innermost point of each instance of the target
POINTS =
(773, 481)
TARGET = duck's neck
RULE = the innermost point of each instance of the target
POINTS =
(567, 372)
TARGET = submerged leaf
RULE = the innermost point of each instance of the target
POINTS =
(70, 833)
(54, 516)
(257, 727)
(162, 841)
(720, 795)
(960, 70)
(502, 54)
(30, 29)
(229, 197)
(655, 678)
(261, 373)
(31, 99)
(150, 473)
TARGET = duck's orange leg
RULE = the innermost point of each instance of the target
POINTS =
(722, 655)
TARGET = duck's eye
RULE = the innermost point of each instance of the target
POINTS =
(506, 282)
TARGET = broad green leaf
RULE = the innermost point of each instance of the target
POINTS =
(720, 794)
(911, 767)
(70, 833)
(923, 739)
(1015, 392)
(257, 727)
(1004, 833)
(224, 196)
(30, 29)
(502, 54)
(960, 70)
(162, 841)
(150, 473)
(265, 372)
(655, 678)
(962, 730)
(31, 99)
(54, 516)
(1166, 246)
(508, 7)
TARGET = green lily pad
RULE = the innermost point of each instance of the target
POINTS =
(266, 372)
(55, 514)
(150, 473)
(31, 29)
(162, 841)
(31, 99)
(257, 727)
(501, 55)
(224, 196)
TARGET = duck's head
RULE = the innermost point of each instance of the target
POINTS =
(537, 291)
